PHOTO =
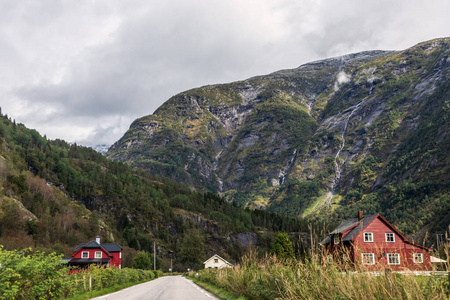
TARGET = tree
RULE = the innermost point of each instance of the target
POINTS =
(142, 261)
(282, 246)
(192, 248)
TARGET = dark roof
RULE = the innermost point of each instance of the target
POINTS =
(112, 247)
(109, 247)
(349, 224)
(358, 228)
(87, 261)
(91, 245)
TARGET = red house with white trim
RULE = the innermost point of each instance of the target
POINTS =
(106, 254)
(374, 243)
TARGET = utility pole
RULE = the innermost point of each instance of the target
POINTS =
(154, 256)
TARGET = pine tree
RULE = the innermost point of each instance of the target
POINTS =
(282, 246)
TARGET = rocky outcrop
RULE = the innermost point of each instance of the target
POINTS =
(244, 239)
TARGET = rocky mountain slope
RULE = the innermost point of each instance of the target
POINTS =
(363, 131)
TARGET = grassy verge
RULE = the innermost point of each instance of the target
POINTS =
(217, 291)
(109, 290)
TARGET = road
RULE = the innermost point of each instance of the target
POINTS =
(164, 288)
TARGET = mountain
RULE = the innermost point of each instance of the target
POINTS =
(363, 131)
(55, 195)
(101, 148)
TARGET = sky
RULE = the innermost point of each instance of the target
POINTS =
(83, 70)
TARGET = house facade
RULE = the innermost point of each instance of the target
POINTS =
(106, 255)
(374, 243)
(216, 262)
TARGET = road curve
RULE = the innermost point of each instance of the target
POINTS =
(163, 288)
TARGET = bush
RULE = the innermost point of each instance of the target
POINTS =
(32, 275)
(28, 274)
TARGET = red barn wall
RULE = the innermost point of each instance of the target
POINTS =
(116, 260)
(381, 248)
(91, 253)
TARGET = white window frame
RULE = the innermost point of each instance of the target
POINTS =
(98, 252)
(387, 234)
(83, 253)
(336, 239)
(395, 256)
(368, 237)
(370, 256)
(416, 257)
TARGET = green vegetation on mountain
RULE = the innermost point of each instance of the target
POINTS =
(363, 131)
(55, 195)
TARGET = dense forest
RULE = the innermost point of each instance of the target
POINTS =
(55, 195)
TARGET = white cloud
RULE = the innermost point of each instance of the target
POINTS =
(341, 78)
(83, 70)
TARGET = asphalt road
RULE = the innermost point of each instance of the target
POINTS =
(164, 288)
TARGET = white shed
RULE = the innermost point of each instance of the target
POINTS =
(216, 262)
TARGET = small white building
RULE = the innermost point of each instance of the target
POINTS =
(216, 262)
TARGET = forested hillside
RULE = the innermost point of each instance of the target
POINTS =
(55, 195)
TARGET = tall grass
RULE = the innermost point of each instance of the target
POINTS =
(271, 278)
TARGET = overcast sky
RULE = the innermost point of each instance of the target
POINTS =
(83, 70)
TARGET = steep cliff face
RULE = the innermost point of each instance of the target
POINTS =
(330, 134)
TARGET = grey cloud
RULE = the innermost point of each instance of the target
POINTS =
(121, 60)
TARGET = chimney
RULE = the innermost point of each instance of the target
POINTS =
(360, 215)
(97, 239)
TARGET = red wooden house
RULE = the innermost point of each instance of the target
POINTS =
(106, 254)
(374, 243)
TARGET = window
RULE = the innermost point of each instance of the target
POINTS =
(368, 237)
(336, 239)
(393, 258)
(345, 256)
(84, 254)
(390, 237)
(216, 260)
(98, 254)
(330, 259)
(368, 259)
(418, 258)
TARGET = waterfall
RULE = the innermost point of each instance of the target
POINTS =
(337, 176)
(215, 165)
(338, 168)
(282, 175)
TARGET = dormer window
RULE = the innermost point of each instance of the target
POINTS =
(336, 239)
(368, 237)
(98, 254)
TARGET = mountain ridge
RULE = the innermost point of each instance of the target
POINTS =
(318, 140)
